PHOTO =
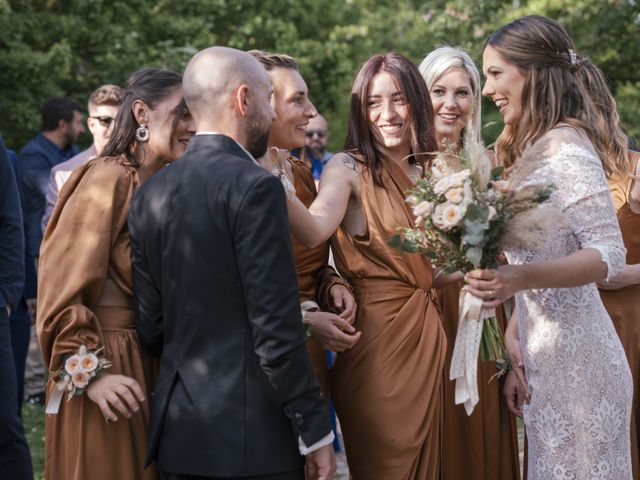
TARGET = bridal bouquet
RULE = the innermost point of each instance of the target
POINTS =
(462, 217)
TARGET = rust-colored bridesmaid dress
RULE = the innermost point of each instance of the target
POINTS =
(623, 306)
(387, 389)
(484, 445)
(309, 263)
(85, 298)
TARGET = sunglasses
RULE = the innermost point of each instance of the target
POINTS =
(104, 120)
(311, 133)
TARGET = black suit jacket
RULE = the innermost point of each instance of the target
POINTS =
(11, 235)
(217, 297)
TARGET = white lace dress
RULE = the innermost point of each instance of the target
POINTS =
(578, 421)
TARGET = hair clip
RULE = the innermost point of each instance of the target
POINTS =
(573, 56)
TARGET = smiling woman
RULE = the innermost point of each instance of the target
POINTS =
(504, 85)
(294, 110)
(577, 374)
(395, 369)
(85, 288)
(453, 81)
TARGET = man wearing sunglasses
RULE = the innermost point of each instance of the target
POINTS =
(315, 153)
(104, 104)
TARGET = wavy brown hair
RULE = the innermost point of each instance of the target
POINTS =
(555, 90)
(360, 139)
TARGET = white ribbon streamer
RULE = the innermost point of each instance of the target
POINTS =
(53, 405)
(464, 362)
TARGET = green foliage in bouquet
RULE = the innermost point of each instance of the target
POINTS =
(464, 210)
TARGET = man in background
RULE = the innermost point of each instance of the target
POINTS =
(61, 125)
(315, 153)
(103, 106)
(15, 460)
(24, 311)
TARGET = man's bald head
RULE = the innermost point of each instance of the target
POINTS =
(214, 73)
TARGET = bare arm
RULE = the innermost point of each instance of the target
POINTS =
(495, 286)
(629, 276)
(316, 225)
(587, 206)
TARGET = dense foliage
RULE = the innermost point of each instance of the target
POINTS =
(69, 47)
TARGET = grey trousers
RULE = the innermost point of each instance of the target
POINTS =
(34, 369)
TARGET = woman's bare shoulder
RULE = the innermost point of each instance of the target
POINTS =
(344, 160)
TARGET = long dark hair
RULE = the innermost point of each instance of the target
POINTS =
(556, 89)
(151, 85)
(360, 138)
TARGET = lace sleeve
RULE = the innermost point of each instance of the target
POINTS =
(584, 197)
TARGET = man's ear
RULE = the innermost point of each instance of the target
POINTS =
(91, 122)
(242, 100)
(63, 125)
(140, 112)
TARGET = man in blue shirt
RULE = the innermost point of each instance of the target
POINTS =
(15, 461)
(61, 125)
(315, 153)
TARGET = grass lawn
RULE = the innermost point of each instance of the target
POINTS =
(33, 417)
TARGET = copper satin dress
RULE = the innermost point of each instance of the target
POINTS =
(623, 306)
(309, 261)
(85, 298)
(387, 389)
(484, 445)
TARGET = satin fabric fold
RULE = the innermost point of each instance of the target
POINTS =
(488, 438)
(85, 298)
(623, 306)
(387, 389)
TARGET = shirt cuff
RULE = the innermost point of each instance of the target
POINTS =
(326, 440)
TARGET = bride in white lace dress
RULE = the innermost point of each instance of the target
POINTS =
(577, 376)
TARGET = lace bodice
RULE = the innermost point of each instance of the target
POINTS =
(579, 379)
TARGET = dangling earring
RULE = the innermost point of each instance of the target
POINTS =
(142, 133)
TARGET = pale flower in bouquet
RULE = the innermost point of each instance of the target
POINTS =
(77, 373)
(462, 217)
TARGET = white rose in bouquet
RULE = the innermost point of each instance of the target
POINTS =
(447, 216)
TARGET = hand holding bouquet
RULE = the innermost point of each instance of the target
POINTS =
(462, 217)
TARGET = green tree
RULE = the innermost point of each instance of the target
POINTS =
(69, 47)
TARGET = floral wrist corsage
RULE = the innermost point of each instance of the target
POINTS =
(79, 370)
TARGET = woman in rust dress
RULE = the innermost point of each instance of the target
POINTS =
(487, 439)
(621, 296)
(318, 283)
(387, 388)
(85, 289)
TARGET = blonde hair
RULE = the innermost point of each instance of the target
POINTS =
(271, 61)
(444, 59)
(554, 90)
(108, 94)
